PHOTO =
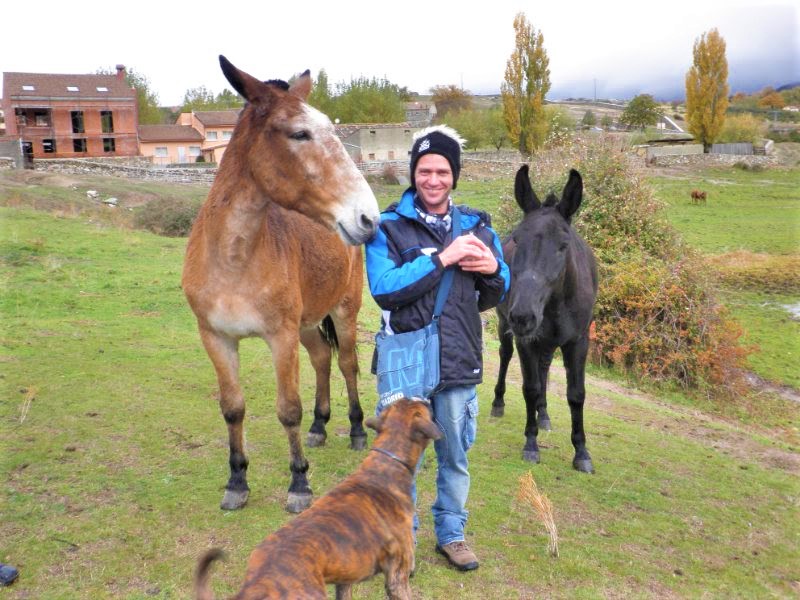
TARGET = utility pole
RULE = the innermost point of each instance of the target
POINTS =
(595, 90)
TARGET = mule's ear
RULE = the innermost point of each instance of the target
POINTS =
(572, 195)
(523, 192)
(374, 423)
(247, 86)
(302, 86)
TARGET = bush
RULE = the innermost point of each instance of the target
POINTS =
(745, 127)
(167, 216)
(656, 316)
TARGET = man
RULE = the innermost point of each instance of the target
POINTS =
(405, 263)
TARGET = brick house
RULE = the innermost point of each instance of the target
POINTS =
(215, 127)
(71, 116)
(170, 144)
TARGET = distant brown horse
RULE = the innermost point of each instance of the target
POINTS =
(698, 196)
(272, 255)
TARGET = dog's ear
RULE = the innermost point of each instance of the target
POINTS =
(374, 423)
(427, 428)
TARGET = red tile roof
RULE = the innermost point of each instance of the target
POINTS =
(50, 85)
(218, 118)
(169, 133)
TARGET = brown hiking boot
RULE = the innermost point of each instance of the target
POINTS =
(459, 555)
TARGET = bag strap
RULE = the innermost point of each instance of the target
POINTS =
(447, 278)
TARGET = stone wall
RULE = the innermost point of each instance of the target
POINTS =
(710, 160)
(130, 168)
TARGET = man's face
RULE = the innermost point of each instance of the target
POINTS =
(434, 179)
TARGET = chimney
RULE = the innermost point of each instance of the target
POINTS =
(121, 72)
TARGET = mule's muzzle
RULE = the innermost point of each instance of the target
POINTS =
(361, 231)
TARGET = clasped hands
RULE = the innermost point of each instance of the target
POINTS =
(471, 254)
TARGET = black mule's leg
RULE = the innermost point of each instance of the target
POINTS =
(575, 364)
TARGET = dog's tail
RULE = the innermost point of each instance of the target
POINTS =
(201, 587)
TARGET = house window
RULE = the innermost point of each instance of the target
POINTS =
(41, 118)
(109, 145)
(226, 135)
(79, 145)
(372, 156)
(211, 135)
(49, 146)
(77, 121)
(22, 118)
(372, 132)
(101, 88)
(161, 152)
(107, 121)
(194, 150)
(72, 88)
(28, 88)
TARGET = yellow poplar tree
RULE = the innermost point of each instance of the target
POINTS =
(527, 81)
(707, 88)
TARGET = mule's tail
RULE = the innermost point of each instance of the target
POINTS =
(328, 332)
(201, 587)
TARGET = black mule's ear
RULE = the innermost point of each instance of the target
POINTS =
(523, 192)
(572, 196)
(247, 86)
(302, 86)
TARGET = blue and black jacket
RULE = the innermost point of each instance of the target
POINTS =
(404, 272)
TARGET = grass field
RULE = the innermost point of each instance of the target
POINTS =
(113, 454)
(750, 223)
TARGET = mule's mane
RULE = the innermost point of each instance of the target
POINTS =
(551, 200)
(278, 83)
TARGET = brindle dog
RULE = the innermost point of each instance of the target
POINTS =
(359, 529)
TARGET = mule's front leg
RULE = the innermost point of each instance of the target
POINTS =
(506, 352)
(285, 350)
(224, 354)
(531, 391)
(575, 365)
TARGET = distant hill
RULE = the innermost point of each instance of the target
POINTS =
(788, 86)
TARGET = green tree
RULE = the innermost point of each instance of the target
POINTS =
(366, 100)
(589, 120)
(320, 96)
(640, 112)
(471, 124)
(606, 121)
(450, 99)
(146, 99)
(201, 98)
(526, 82)
(707, 88)
(227, 99)
(496, 132)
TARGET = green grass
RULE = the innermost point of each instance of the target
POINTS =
(745, 210)
(113, 454)
(758, 212)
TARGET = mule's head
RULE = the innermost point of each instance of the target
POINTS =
(541, 251)
(294, 156)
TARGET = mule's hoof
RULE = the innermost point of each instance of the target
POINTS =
(584, 465)
(297, 503)
(531, 456)
(234, 500)
(315, 440)
(358, 442)
(498, 411)
(544, 424)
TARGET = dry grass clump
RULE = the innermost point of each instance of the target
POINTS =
(762, 272)
(528, 493)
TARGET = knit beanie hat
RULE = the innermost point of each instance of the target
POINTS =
(439, 139)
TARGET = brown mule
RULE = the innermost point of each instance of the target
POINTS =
(272, 255)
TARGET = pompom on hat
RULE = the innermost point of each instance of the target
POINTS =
(439, 139)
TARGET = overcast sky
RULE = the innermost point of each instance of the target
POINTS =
(614, 49)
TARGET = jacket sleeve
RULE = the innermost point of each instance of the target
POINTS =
(493, 288)
(394, 283)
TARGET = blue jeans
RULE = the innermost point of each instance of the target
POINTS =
(455, 411)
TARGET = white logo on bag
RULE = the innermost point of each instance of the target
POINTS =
(426, 143)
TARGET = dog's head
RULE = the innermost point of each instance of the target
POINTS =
(405, 415)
